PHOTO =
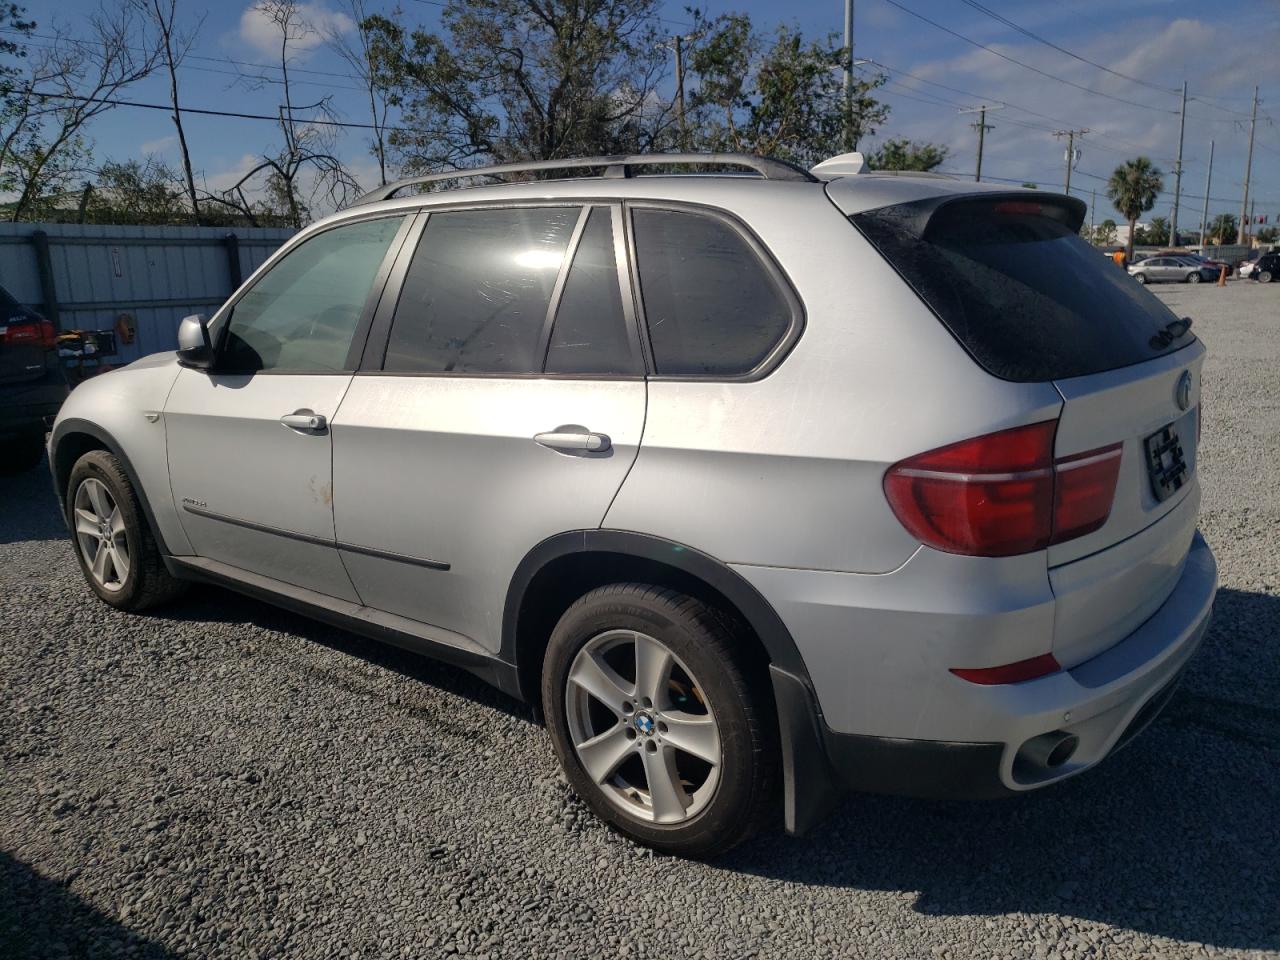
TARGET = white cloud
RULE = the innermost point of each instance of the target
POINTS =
(314, 22)
(158, 146)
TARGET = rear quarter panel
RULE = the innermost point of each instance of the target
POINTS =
(787, 470)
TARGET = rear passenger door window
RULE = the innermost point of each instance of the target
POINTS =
(712, 306)
(477, 292)
(591, 335)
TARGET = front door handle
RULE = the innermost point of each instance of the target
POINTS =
(562, 439)
(305, 421)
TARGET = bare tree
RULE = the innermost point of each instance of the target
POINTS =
(76, 82)
(307, 147)
(174, 46)
(364, 53)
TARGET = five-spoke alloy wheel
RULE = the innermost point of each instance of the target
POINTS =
(100, 535)
(114, 543)
(659, 709)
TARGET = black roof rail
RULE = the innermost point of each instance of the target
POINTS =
(614, 167)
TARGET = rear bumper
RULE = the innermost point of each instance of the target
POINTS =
(31, 407)
(1102, 703)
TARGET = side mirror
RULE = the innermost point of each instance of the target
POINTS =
(195, 348)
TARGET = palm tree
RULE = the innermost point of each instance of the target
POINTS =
(1133, 189)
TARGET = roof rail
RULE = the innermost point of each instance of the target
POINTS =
(614, 167)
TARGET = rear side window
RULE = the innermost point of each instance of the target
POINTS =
(591, 335)
(711, 304)
(1021, 291)
(476, 296)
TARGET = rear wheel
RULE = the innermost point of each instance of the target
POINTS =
(1264, 276)
(1194, 277)
(1140, 277)
(118, 554)
(20, 454)
(658, 725)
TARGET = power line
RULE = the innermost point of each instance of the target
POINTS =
(1049, 43)
(1023, 64)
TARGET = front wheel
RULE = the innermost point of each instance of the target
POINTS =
(1194, 278)
(1140, 277)
(1264, 276)
(658, 721)
(118, 554)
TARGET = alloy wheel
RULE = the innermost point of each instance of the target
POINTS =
(100, 535)
(642, 727)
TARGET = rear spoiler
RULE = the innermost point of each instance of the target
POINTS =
(919, 215)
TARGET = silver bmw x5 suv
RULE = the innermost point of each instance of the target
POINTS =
(761, 488)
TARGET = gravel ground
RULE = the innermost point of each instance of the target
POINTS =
(226, 779)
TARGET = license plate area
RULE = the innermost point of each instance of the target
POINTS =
(1166, 462)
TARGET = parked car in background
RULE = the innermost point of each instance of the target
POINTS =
(32, 384)
(763, 488)
(1266, 268)
(1180, 269)
(1216, 264)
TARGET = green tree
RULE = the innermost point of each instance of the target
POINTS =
(1268, 235)
(1133, 188)
(1030, 186)
(133, 191)
(777, 95)
(1224, 228)
(1104, 234)
(1157, 233)
(522, 79)
(904, 154)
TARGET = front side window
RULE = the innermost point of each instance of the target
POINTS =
(302, 314)
(711, 305)
(476, 296)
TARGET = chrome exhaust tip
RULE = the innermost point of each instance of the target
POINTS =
(1050, 750)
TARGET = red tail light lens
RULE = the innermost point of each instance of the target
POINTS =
(1003, 493)
(40, 333)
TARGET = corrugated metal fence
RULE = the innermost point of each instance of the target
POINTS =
(84, 276)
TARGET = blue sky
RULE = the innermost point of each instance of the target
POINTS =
(1154, 41)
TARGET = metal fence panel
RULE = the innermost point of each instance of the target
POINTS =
(156, 275)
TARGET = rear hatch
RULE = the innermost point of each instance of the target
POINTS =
(1010, 278)
(27, 343)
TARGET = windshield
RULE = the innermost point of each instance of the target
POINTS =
(1020, 290)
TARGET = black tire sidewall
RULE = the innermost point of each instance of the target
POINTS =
(1264, 276)
(1141, 278)
(103, 467)
(718, 825)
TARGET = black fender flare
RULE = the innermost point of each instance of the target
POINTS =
(75, 425)
(753, 608)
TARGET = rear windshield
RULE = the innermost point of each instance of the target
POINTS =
(1020, 290)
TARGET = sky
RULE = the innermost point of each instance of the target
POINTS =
(1118, 73)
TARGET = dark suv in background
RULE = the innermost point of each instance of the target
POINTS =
(32, 384)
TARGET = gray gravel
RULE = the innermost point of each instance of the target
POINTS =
(226, 779)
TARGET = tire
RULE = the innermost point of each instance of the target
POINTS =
(1264, 276)
(1194, 277)
(132, 575)
(1141, 278)
(703, 808)
(21, 454)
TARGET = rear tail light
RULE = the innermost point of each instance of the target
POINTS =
(39, 333)
(1003, 494)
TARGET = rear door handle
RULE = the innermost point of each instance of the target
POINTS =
(566, 440)
(305, 421)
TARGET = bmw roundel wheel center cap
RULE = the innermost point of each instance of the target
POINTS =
(644, 723)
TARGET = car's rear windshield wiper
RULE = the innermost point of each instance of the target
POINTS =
(1171, 332)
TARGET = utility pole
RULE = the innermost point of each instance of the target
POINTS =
(1248, 237)
(1092, 207)
(1177, 170)
(982, 127)
(1071, 151)
(1208, 182)
(850, 141)
(1248, 167)
(684, 129)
